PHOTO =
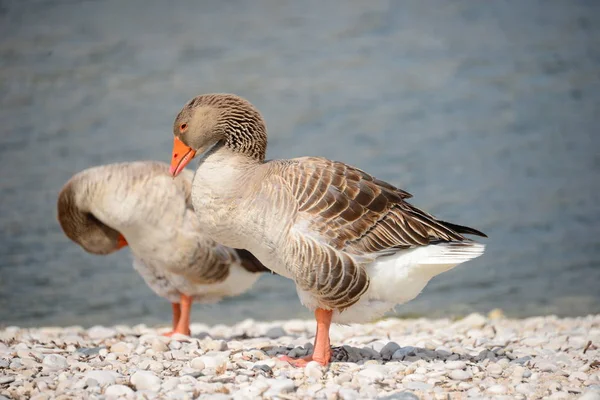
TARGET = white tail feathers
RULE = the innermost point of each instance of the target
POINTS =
(453, 253)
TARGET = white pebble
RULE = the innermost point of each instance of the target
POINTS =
(456, 365)
(100, 332)
(582, 376)
(545, 366)
(313, 370)
(158, 346)
(459, 375)
(348, 394)
(497, 389)
(120, 347)
(115, 391)
(103, 378)
(216, 345)
(55, 361)
(197, 363)
(494, 369)
(145, 380)
(277, 386)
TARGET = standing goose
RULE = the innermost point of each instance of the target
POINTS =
(353, 245)
(139, 204)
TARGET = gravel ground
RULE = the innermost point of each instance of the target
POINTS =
(476, 357)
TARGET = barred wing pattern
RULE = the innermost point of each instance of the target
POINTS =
(350, 212)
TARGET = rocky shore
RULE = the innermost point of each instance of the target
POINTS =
(475, 357)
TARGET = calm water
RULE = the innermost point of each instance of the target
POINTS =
(488, 112)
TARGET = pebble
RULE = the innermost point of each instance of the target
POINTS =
(197, 363)
(103, 378)
(278, 386)
(158, 346)
(313, 370)
(100, 332)
(497, 389)
(459, 375)
(55, 361)
(387, 352)
(275, 332)
(120, 347)
(145, 380)
(456, 365)
(4, 380)
(494, 369)
(115, 391)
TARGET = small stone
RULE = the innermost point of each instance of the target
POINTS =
(459, 375)
(55, 361)
(145, 380)
(422, 386)
(387, 352)
(346, 393)
(415, 377)
(545, 366)
(404, 352)
(522, 360)
(496, 314)
(211, 361)
(277, 386)
(456, 365)
(103, 378)
(343, 378)
(6, 379)
(372, 374)
(497, 389)
(578, 375)
(174, 345)
(216, 345)
(275, 332)
(559, 396)
(473, 321)
(158, 346)
(524, 388)
(120, 348)
(313, 370)
(100, 332)
(91, 382)
(197, 363)
(494, 369)
(590, 394)
(115, 391)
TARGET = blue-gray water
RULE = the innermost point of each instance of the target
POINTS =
(487, 112)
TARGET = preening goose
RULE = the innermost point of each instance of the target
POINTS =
(140, 205)
(353, 245)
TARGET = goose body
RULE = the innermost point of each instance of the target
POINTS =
(353, 245)
(138, 204)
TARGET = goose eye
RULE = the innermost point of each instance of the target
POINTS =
(183, 127)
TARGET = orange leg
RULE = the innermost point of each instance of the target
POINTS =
(322, 348)
(181, 316)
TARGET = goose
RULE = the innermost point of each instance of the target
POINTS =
(353, 244)
(140, 205)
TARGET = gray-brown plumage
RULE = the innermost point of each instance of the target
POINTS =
(140, 205)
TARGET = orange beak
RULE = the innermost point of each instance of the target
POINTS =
(182, 155)
(121, 242)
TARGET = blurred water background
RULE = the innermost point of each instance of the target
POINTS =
(487, 112)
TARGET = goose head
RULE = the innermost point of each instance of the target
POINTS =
(217, 118)
(84, 228)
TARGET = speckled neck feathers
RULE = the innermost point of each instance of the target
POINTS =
(241, 125)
